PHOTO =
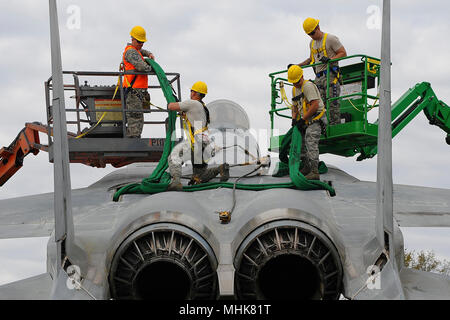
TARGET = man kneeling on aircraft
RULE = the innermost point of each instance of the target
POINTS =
(195, 121)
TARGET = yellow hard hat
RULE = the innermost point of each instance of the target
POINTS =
(138, 33)
(200, 87)
(310, 24)
(295, 73)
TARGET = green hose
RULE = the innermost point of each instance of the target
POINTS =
(159, 180)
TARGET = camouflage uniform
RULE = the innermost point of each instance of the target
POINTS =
(310, 146)
(137, 98)
(311, 136)
(335, 91)
(183, 152)
(332, 45)
(199, 153)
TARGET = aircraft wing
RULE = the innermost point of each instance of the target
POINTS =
(414, 206)
(421, 285)
(34, 288)
(421, 206)
(33, 216)
(30, 216)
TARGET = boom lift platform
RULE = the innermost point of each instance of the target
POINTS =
(356, 134)
(99, 118)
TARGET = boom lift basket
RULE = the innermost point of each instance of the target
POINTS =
(103, 139)
(356, 134)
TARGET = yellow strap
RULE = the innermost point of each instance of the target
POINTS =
(117, 87)
(188, 130)
(304, 100)
(323, 49)
(368, 109)
(293, 95)
(337, 78)
(200, 130)
(304, 107)
(284, 96)
(92, 128)
(320, 115)
(374, 63)
(127, 83)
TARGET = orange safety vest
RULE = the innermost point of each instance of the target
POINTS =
(141, 81)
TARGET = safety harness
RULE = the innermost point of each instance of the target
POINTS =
(304, 106)
(323, 49)
(189, 129)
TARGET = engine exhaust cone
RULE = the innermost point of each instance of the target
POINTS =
(164, 262)
(288, 260)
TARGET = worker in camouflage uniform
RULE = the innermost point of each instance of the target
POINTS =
(137, 96)
(308, 114)
(325, 47)
(196, 119)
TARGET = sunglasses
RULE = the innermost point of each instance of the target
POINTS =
(312, 33)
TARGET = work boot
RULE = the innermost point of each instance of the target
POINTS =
(314, 174)
(175, 185)
(306, 167)
(224, 172)
(197, 172)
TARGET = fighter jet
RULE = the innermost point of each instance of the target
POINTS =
(279, 243)
(275, 243)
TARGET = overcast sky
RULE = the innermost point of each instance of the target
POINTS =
(232, 46)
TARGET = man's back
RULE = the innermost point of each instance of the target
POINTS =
(195, 113)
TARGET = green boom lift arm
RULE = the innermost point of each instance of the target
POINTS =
(417, 99)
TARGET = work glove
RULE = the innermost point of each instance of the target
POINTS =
(325, 59)
(301, 125)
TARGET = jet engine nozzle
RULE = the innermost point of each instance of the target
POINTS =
(164, 261)
(287, 260)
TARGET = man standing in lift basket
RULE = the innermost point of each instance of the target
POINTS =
(325, 47)
(308, 113)
(195, 121)
(135, 86)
